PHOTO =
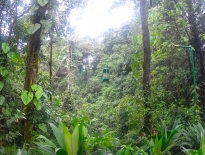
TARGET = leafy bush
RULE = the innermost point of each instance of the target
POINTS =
(65, 142)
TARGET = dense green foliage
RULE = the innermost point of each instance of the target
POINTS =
(111, 114)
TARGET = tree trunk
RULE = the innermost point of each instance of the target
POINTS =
(194, 40)
(51, 70)
(32, 69)
(146, 64)
(69, 58)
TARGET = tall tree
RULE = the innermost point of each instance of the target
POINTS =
(69, 60)
(147, 60)
(32, 64)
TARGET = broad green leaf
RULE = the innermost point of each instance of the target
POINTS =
(42, 2)
(4, 72)
(33, 28)
(203, 146)
(83, 135)
(1, 85)
(39, 92)
(37, 103)
(75, 140)
(60, 151)
(58, 132)
(68, 140)
(74, 122)
(15, 57)
(5, 47)
(157, 146)
(46, 24)
(83, 132)
(34, 86)
(43, 127)
(26, 97)
(2, 99)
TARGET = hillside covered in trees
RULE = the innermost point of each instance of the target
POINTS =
(138, 89)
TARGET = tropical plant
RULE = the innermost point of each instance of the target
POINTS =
(65, 142)
(193, 136)
(167, 140)
(200, 151)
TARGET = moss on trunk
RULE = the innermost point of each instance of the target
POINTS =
(146, 65)
(32, 70)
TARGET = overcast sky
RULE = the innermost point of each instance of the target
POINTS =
(96, 18)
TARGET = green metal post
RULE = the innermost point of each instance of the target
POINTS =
(193, 73)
